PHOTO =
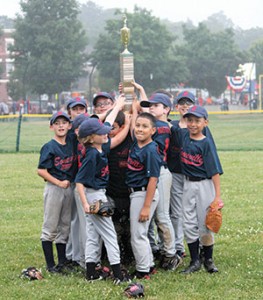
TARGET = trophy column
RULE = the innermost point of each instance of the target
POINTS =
(126, 67)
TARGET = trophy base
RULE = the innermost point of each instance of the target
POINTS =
(127, 108)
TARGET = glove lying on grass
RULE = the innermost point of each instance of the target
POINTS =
(32, 273)
(134, 290)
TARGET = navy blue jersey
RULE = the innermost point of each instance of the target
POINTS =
(173, 154)
(198, 157)
(81, 153)
(94, 170)
(118, 157)
(59, 160)
(81, 149)
(73, 136)
(162, 138)
(143, 163)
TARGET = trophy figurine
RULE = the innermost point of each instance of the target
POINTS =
(126, 67)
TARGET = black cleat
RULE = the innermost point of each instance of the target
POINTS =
(193, 267)
(210, 266)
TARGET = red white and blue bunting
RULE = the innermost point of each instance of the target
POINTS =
(236, 83)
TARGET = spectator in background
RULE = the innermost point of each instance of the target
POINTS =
(200, 101)
(224, 105)
(209, 100)
(14, 107)
(4, 109)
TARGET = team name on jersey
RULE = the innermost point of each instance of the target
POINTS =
(134, 165)
(64, 163)
(163, 130)
(104, 171)
(189, 159)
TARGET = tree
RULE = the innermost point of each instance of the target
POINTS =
(218, 22)
(93, 18)
(210, 57)
(150, 42)
(1, 67)
(49, 46)
(256, 56)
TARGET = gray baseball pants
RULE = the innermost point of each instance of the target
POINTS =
(100, 229)
(57, 213)
(197, 196)
(176, 210)
(139, 240)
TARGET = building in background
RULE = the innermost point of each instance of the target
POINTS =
(6, 63)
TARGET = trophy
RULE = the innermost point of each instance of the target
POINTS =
(126, 67)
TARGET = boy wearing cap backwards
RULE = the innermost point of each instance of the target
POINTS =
(202, 169)
(57, 167)
(159, 106)
(91, 181)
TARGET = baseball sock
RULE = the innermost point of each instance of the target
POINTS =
(116, 269)
(61, 250)
(90, 270)
(48, 253)
(208, 252)
(194, 250)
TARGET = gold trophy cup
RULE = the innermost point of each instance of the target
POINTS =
(126, 67)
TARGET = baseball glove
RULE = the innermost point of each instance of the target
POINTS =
(213, 219)
(134, 290)
(32, 273)
(101, 208)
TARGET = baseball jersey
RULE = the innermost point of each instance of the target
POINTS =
(162, 138)
(143, 163)
(59, 160)
(118, 157)
(94, 170)
(198, 157)
(81, 153)
(173, 154)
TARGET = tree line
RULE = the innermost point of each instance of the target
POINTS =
(55, 42)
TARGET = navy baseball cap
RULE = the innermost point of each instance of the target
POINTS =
(185, 94)
(198, 111)
(157, 98)
(78, 120)
(77, 101)
(102, 95)
(57, 115)
(93, 126)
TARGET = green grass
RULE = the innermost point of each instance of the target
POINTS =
(238, 250)
(237, 132)
(231, 132)
(33, 134)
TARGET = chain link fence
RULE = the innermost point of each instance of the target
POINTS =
(232, 130)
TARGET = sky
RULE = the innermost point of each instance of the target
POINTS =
(245, 14)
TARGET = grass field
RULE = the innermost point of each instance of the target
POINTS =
(239, 244)
(231, 132)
